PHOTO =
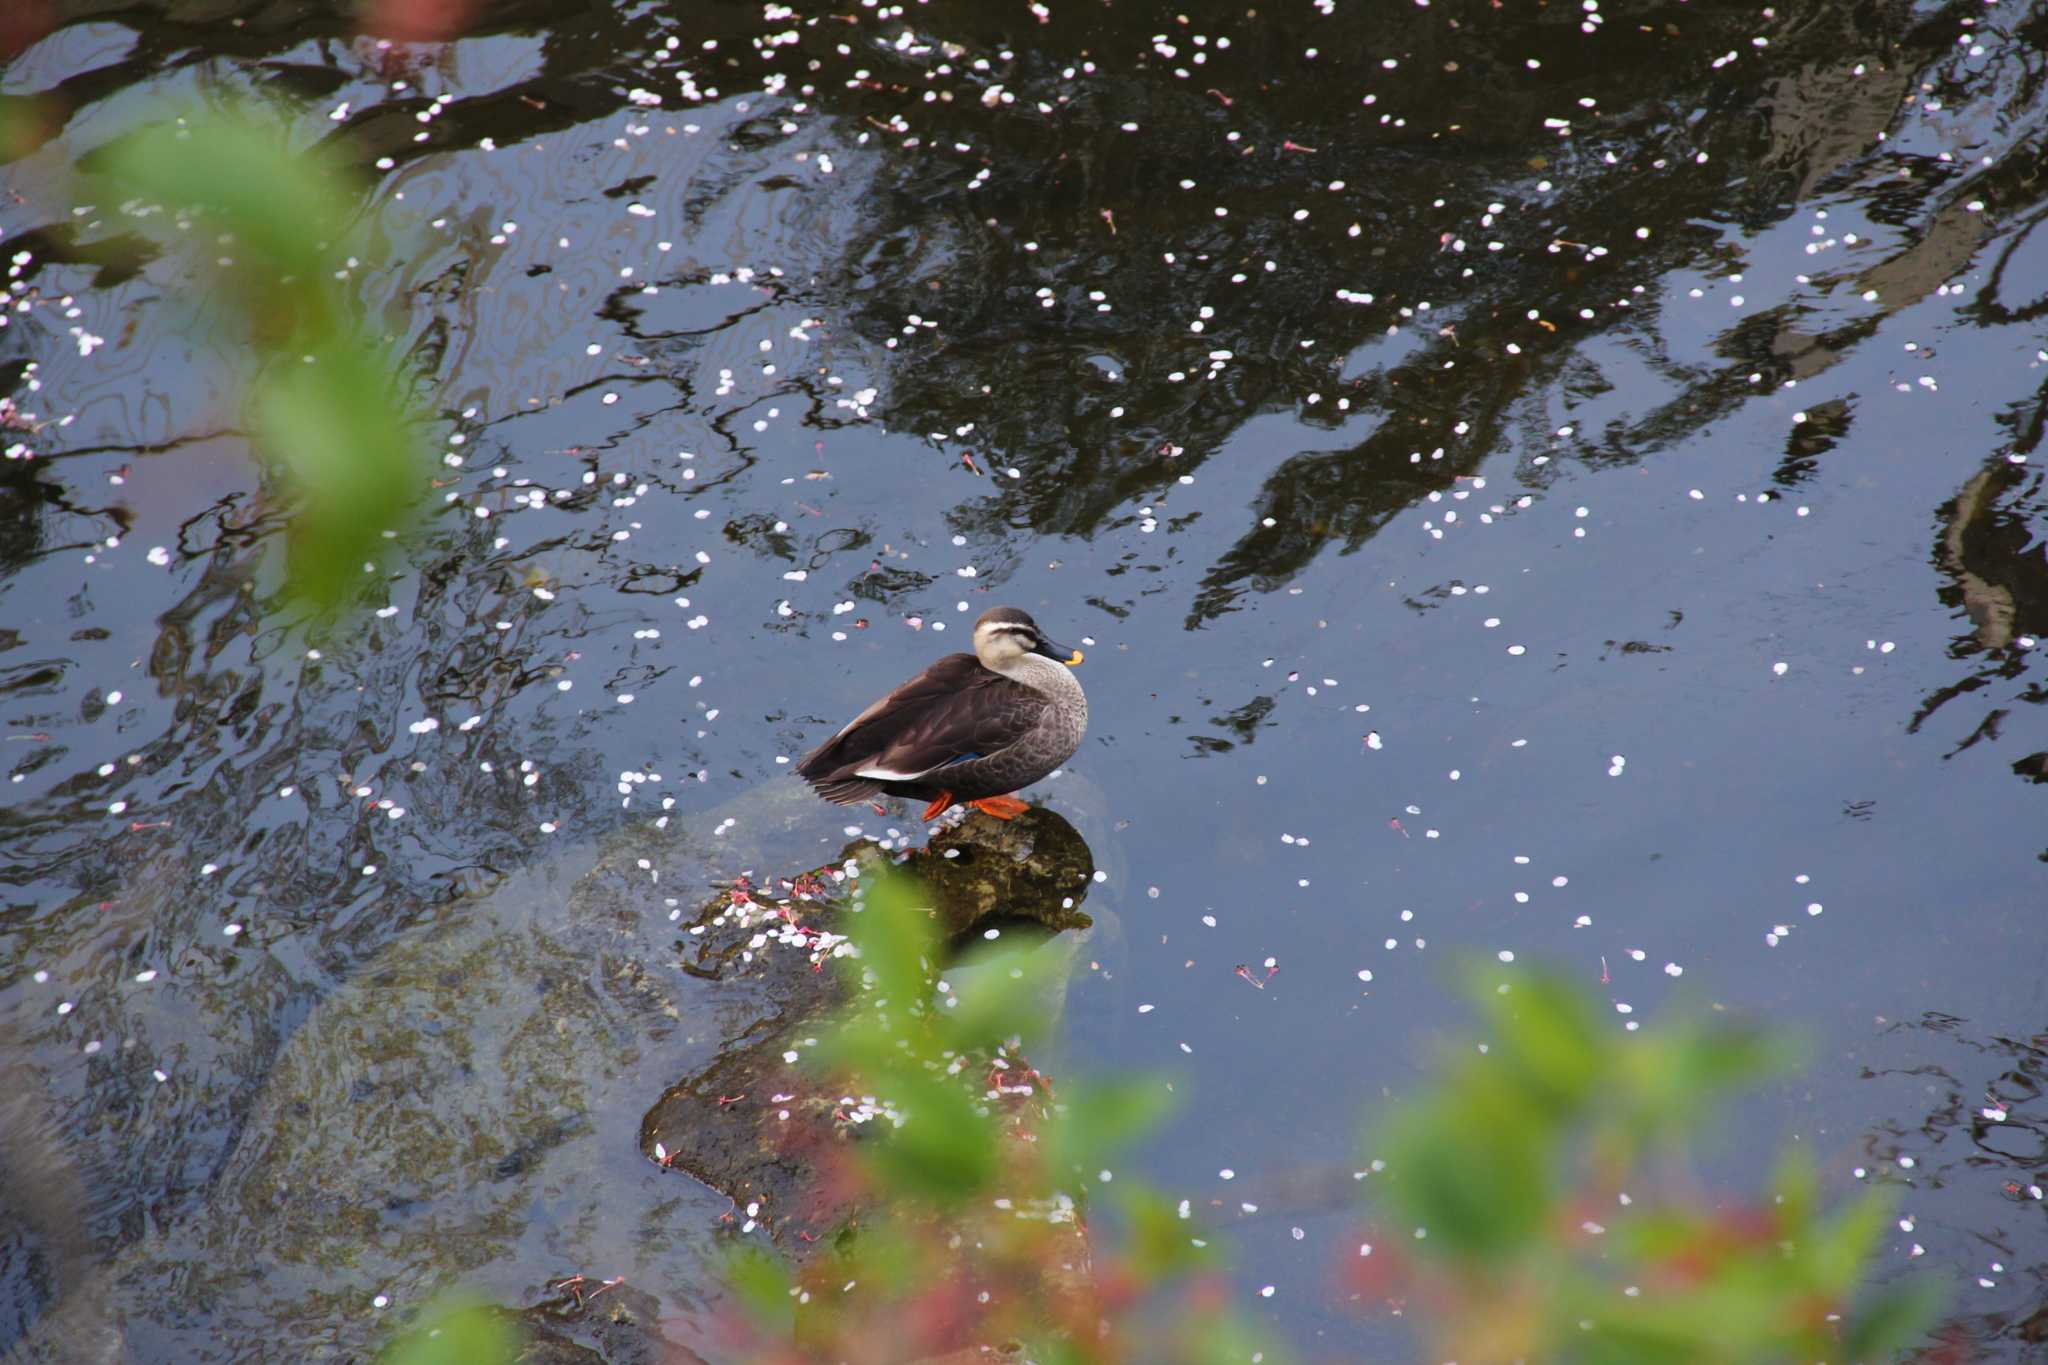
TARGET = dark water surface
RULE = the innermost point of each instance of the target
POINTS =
(1531, 480)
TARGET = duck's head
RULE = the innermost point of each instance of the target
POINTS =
(1004, 635)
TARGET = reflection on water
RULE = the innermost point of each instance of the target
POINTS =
(1963, 1143)
(1998, 577)
(1382, 377)
(1988, 549)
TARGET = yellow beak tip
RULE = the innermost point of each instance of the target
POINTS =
(1076, 659)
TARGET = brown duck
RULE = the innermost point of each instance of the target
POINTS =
(970, 729)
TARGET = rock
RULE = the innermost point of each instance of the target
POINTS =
(755, 1124)
(1036, 867)
(462, 1109)
(609, 1325)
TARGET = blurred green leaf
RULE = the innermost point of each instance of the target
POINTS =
(1058, 1351)
(1649, 1236)
(882, 1254)
(1842, 1246)
(1218, 1338)
(1499, 1156)
(1093, 1119)
(455, 1333)
(866, 1045)
(1710, 1061)
(946, 1150)
(1697, 1328)
(328, 400)
(1795, 1190)
(1898, 1315)
(334, 419)
(1737, 1285)
(1000, 1006)
(290, 207)
(1474, 1166)
(1161, 1242)
(763, 1286)
(897, 939)
(1546, 1034)
(1671, 1080)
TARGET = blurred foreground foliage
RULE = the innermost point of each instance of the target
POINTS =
(1535, 1204)
(269, 231)
(1494, 1180)
(1546, 1212)
(970, 1159)
(456, 1332)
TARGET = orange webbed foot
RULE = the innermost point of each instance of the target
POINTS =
(1001, 807)
(938, 806)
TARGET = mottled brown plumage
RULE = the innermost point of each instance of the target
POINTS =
(969, 728)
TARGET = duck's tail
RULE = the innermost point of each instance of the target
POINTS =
(833, 778)
(844, 791)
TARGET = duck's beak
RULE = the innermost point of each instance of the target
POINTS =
(1069, 657)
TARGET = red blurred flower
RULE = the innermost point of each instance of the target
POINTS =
(22, 22)
(419, 21)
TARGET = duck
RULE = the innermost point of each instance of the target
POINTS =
(970, 730)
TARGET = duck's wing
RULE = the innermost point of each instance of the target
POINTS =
(954, 710)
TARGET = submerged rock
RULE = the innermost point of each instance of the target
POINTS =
(461, 1110)
(598, 1324)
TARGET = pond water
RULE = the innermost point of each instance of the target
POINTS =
(1529, 480)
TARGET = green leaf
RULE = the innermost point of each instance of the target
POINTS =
(897, 940)
(1710, 1061)
(763, 1286)
(1648, 1236)
(1841, 1248)
(328, 402)
(994, 1005)
(334, 420)
(1217, 1338)
(1795, 1190)
(1161, 1242)
(1093, 1119)
(1057, 1351)
(886, 1256)
(1546, 1036)
(1683, 1329)
(457, 1333)
(1677, 1077)
(291, 207)
(1475, 1168)
(1899, 1315)
(869, 1046)
(945, 1152)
